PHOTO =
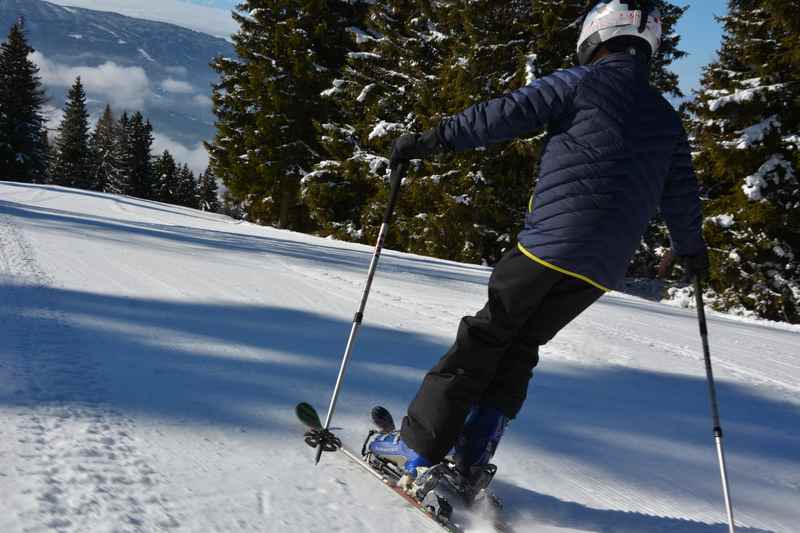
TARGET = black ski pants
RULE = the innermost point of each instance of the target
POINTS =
(492, 359)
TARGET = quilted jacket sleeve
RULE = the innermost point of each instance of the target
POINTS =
(515, 114)
(680, 203)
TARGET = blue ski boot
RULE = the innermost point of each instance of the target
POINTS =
(476, 446)
(390, 447)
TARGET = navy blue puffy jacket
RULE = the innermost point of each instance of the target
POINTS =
(616, 152)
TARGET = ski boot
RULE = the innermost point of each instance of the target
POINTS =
(386, 452)
(474, 449)
(387, 446)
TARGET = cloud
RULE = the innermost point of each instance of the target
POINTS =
(123, 87)
(210, 20)
(202, 100)
(177, 71)
(172, 85)
(53, 117)
(196, 158)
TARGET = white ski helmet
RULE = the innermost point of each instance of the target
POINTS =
(609, 19)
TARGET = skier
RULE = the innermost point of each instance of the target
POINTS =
(615, 154)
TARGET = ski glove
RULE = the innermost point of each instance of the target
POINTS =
(416, 146)
(696, 265)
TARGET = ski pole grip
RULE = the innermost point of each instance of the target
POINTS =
(398, 173)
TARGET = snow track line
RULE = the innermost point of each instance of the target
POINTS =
(332, 283)
(753, 377)
(77, 457)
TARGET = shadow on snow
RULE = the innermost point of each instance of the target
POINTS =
(345, 257)
(245, 367)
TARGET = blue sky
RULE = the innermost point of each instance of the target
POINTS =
(700, 36)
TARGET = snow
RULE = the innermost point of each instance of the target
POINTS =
(361, 36)
(152, 355)
(462, 199)
(146, 55)
(724, 220)
(336, 88)
(384, 128)
(754, 134)
(363, 55)
(769, 171)
(377, 164)
(530, 68)
(76, 36)
(745, 95)
(362, 97)
(792, 139)
(434, 36)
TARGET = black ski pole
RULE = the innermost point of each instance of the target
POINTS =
(398, 173)
(701, 317)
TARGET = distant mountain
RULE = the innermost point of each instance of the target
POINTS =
(131, 63)
(207, 16)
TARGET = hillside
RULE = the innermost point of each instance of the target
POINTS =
(132, 63)
(152, 354)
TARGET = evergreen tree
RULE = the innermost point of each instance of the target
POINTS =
(186, 194)
(476, 200)
(207, 195)
(268, 100)
(71, 163)
(105, 164)
(165, 173)
(23, 152)
(138, 156)
(746, 127)
(377, 96)
(120, 181)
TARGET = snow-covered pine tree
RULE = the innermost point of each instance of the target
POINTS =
(165, 175)
(469, 206)
(339, 185)
(23, 151)
(267, 101)
(186, 193)
(383, 91)
(105, 165)
(746, 128)
(208, 197)
(71, 159)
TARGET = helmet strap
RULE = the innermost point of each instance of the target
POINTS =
(644, 15)
(642, 21)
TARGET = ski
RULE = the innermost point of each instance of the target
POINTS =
(433, 507)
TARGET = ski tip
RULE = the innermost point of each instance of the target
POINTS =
(308, 415)
(382, 419)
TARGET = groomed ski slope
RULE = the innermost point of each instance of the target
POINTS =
(151, 356)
